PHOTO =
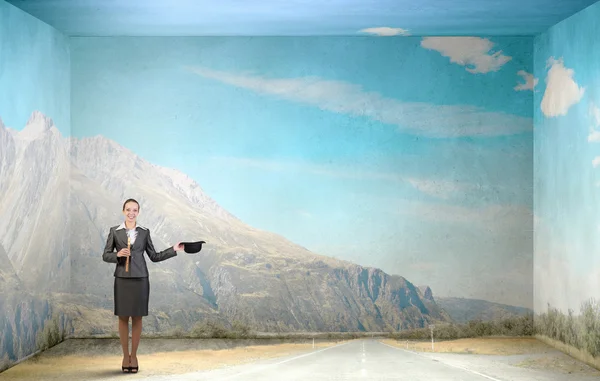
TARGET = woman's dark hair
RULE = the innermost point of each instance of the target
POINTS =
(131, 200)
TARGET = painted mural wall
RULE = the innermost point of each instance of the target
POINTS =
(567, 181)
(341, 184)
(34, 183)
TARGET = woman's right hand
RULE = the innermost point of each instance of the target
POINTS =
(123, 253)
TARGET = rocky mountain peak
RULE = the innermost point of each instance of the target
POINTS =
(108, 162)
(37, 125)
(427, 293)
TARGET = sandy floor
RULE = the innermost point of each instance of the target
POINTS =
(518, 352)
(101, 359)
(90, 364)
(559, 363)
(480, 346)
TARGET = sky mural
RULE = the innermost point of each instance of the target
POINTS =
(33, 57)
(411, 155)
(567, 158)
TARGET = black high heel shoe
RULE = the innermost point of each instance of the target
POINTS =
(126, 369)
(133, 369)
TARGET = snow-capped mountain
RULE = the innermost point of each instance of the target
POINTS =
(64, 194)
(243, 273)
(120, 171)
(35, 203)
(7, 158)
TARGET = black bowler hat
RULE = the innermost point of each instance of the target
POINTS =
(192, 247)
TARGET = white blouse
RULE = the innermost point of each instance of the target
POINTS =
(131, 233)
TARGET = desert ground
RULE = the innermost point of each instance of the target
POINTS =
(499, 359)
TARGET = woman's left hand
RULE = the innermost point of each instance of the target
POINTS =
(178, 247)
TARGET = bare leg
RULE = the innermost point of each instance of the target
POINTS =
(136, 334)
(124, 336)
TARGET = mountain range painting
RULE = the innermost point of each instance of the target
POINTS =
(321, 189)
(341, 185)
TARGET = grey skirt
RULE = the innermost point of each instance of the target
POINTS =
(131, 296)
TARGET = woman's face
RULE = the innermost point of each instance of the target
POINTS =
(131, 211)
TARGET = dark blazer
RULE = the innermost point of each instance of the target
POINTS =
(117, 240)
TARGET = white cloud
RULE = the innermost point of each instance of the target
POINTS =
(562, 91)
(315, 169)
(594, 136)
(424, 119)
(472, 52)
(530, 81)
(442, 189)
(304, 213)
(594, 114)
(439, 188)
(386, 31)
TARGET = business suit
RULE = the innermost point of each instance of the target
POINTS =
(132, 288)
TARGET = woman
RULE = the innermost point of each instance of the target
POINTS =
(132, 286)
